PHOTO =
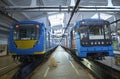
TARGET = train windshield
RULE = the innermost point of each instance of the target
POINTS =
(95, 32)
(26, 32)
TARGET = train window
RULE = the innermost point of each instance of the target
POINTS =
(15, 34)
(83, 32)
(26, 32)
(23, 33)
(96, 32)
(107, 32)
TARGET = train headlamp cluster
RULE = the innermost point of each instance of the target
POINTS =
(97, 43)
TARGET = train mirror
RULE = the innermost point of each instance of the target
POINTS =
(37, 26)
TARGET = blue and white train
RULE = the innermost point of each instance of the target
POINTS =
(92, 38)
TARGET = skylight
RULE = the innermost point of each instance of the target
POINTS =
(72, 3)
(102, 16)
(56, 19)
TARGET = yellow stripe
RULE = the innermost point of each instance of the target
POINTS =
(39, 52)
(25, 44)
(34, 53)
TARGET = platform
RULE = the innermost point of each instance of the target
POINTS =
(110, 61)
(66, 68)
(5, 61)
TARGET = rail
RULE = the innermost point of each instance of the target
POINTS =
(8, 68)
(99, 70)
(26, 69)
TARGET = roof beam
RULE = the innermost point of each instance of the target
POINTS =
(115, 21)
(57, 7)
(53, 10)
(8, 16)
(60, 9)
(21, 12)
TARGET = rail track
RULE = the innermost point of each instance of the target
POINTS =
(7, 71)
(98, 70)
(26, 69)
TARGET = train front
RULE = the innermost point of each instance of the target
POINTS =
(26, 40)
(95, 39)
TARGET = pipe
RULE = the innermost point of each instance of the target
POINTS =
(60, 10)
(57, 7)
(73, 11)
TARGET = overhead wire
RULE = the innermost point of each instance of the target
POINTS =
(73, 11)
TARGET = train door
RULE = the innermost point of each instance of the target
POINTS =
(45, 38)
(73, 37)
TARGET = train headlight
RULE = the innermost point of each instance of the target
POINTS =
(110, 43)
(98, 42)
(102, 42)
(91, 43)
(106, 42)
(95, 43)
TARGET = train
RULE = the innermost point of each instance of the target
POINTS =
(91, 38)
(28, 40)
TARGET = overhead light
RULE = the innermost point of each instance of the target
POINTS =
(56, 19)
(72, 3)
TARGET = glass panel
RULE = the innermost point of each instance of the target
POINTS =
(83, 32)
(26, 32)
(96, 32)
(107, 32)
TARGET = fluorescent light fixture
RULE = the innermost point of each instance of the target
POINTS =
(102, 16)
(56, 19)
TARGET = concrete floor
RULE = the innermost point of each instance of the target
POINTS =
(66, 68)
(110, 61)
(5, 61)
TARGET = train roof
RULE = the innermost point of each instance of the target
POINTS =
(27, 22)
(88, 22)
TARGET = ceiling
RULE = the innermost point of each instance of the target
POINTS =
(32, 3)
(93, 2)
(38, 8)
